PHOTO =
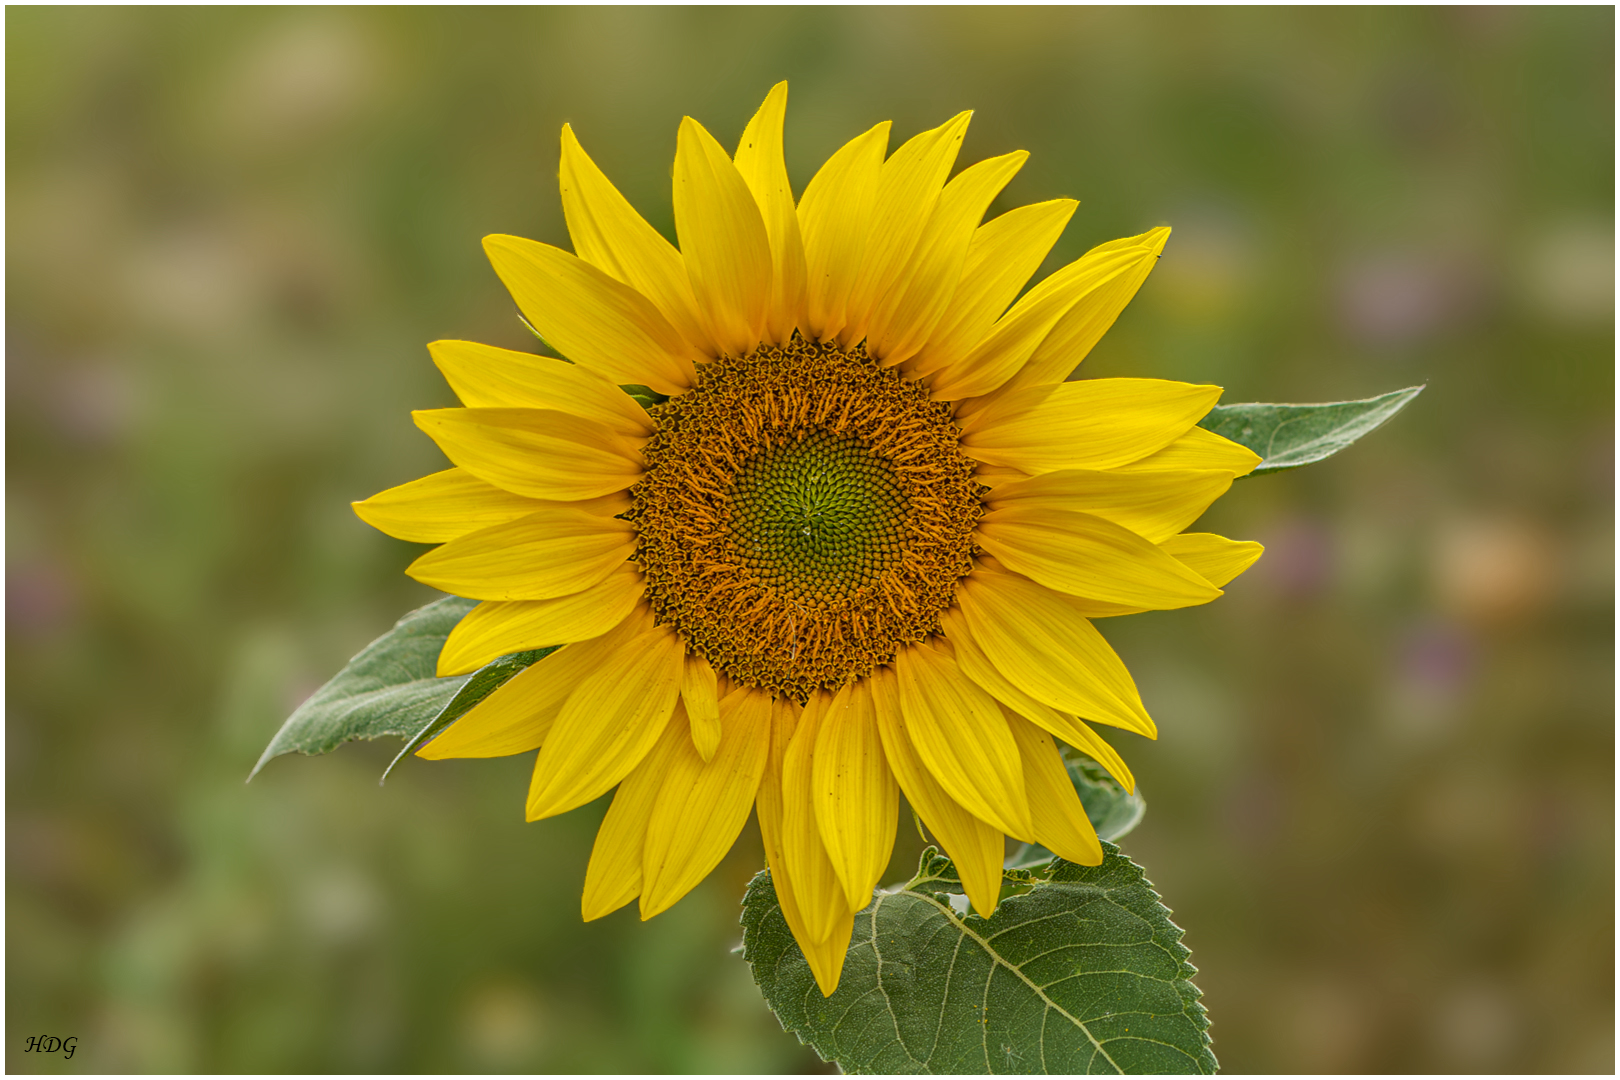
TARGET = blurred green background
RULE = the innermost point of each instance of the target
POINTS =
(1382, 802)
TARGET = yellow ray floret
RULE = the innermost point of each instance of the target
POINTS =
(856, 801)
(702, 805)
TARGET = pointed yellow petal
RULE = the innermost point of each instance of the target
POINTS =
(1003, 254)
(498, 627)
(822, 897)
(908, 190)
(1092, 424)
(903, 319)
(1019, 333)
(535, 452)
(759, 159)
(556, 551)
(443, 506)
(857, 804)
(613, 878)
(1061, 824)
(1040, 643)
(1085, 323)
(699, 692)
(486, 377)
(976, 666)
(1215, 558)
(597, 322)
(1094, 746)
(610, 235)
(961, 736)
(1154, 506)
(1197, 449)
(835, 218)
(826, 958)
(517, 717)
(768, 801)
(607, 725)
(723, 240)
(702, 806)
(1089, 556)
(976, 848)
(1068, 342)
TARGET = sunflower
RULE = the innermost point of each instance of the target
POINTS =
(846, 540)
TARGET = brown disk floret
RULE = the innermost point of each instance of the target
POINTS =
(805, 513)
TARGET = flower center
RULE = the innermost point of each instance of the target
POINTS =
(818, 519)
(805, 513)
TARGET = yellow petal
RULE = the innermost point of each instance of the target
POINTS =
(607, 725)
(768, 802)
(535, 452)
(1092, 424)
(610, 235)
(556, 551)
(1037, 640)
(1003, 254)
(613, 878)
(486, 377)
(1155, 506)
(1089, 556)
(903, 319)
(961, 736)
(976, 666)
(857, 805)
(1094, 746)
(835, 218)
(597, 322)
(498, 627)
(443, 506)
(826, 958)
(908, 190)
(759, 159)
(1085, 323)
(701, 805)
(1061, 824)
(723, 240)
(822, 897)
(976, 848)
(1018, 334)
(517, 716)
(1215, 558)
(1197, 449)
(699, 692)
(768, 805)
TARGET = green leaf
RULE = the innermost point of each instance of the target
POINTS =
(645, 396)
(389, 688)
(1288, 436)
(1079, 971)
(1113, 810)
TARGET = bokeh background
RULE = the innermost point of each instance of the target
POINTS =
(1382, 803)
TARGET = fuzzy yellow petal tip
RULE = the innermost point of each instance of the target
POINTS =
(828, 971)
(593, 906)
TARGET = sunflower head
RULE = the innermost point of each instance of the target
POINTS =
(855, 551)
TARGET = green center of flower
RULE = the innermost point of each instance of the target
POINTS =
(819, 518)
(805, 513)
